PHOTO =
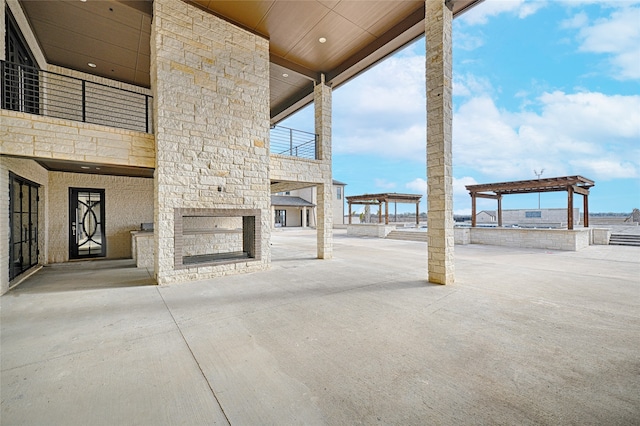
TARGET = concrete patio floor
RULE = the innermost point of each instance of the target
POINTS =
(523, 337)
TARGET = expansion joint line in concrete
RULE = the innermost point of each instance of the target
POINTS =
(194, 357)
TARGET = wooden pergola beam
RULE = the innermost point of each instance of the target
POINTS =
(571, 184)
(386, 198)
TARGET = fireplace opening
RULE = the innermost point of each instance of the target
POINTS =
(216, 236)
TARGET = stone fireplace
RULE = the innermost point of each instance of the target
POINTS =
(216, 236)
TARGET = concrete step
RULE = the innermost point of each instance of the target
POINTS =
(624, 240)
(408, 236)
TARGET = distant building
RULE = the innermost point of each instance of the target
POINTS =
(487, 216)
(529, 217)
(298, 207)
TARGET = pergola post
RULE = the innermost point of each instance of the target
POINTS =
(473, 209)
(349, 213)
(570, 207)
(386, 212)
(417, 214)
(585, 200)
(499, 210)
(379, 211)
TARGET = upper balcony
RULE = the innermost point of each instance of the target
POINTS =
(34, 91)
(293, 143)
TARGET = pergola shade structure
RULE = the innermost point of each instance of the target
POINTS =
(386, 198)
(571, 184)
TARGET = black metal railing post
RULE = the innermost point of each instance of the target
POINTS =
(84, 101)
(34, 91)
(4, 78)
(291, 141)
(146, 113)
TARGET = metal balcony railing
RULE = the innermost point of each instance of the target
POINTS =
(34, 91)
(295, 143)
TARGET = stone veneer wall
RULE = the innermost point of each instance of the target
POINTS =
(210, 82)
(375, 230)
(210, 235)
(30, 135)
(552, 239)
(128, 203)
(32, 171)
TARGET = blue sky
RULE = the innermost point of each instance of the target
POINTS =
(551, 85)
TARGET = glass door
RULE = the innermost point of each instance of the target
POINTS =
(86, 223)
(23, 225)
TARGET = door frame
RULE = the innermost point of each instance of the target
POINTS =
(73, 201)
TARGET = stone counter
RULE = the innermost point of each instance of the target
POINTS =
(142, 248)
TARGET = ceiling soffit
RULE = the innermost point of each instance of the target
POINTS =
(115, 35)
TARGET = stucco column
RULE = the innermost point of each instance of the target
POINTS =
(304, 217)
(324, 225)
(438, 21)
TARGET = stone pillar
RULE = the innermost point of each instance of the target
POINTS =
(324, 224)
(210, 85)
(438, 22)
(304, 217)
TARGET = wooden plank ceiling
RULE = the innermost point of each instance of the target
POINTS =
(115, 35)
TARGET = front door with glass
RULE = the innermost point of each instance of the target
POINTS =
(86, 223)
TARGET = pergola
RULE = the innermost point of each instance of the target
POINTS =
(571, 184)
(378, 199)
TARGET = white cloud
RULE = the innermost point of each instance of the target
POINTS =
(617, 36)
(489, 8)
(382, 112)
(591, 134)
(384, 184)
(467, 41)
(460, 193)
(578, 21)
(471, 85)
(418, 185)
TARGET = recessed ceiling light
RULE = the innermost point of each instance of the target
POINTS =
(322, 40)
(97, 168)
(92, 65)
(85, 167)
(285, 75)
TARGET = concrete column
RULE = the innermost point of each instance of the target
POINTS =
(304, 217)
(438, 22)
(322, 103)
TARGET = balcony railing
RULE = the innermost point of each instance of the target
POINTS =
(31, 90)
(295, 143)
